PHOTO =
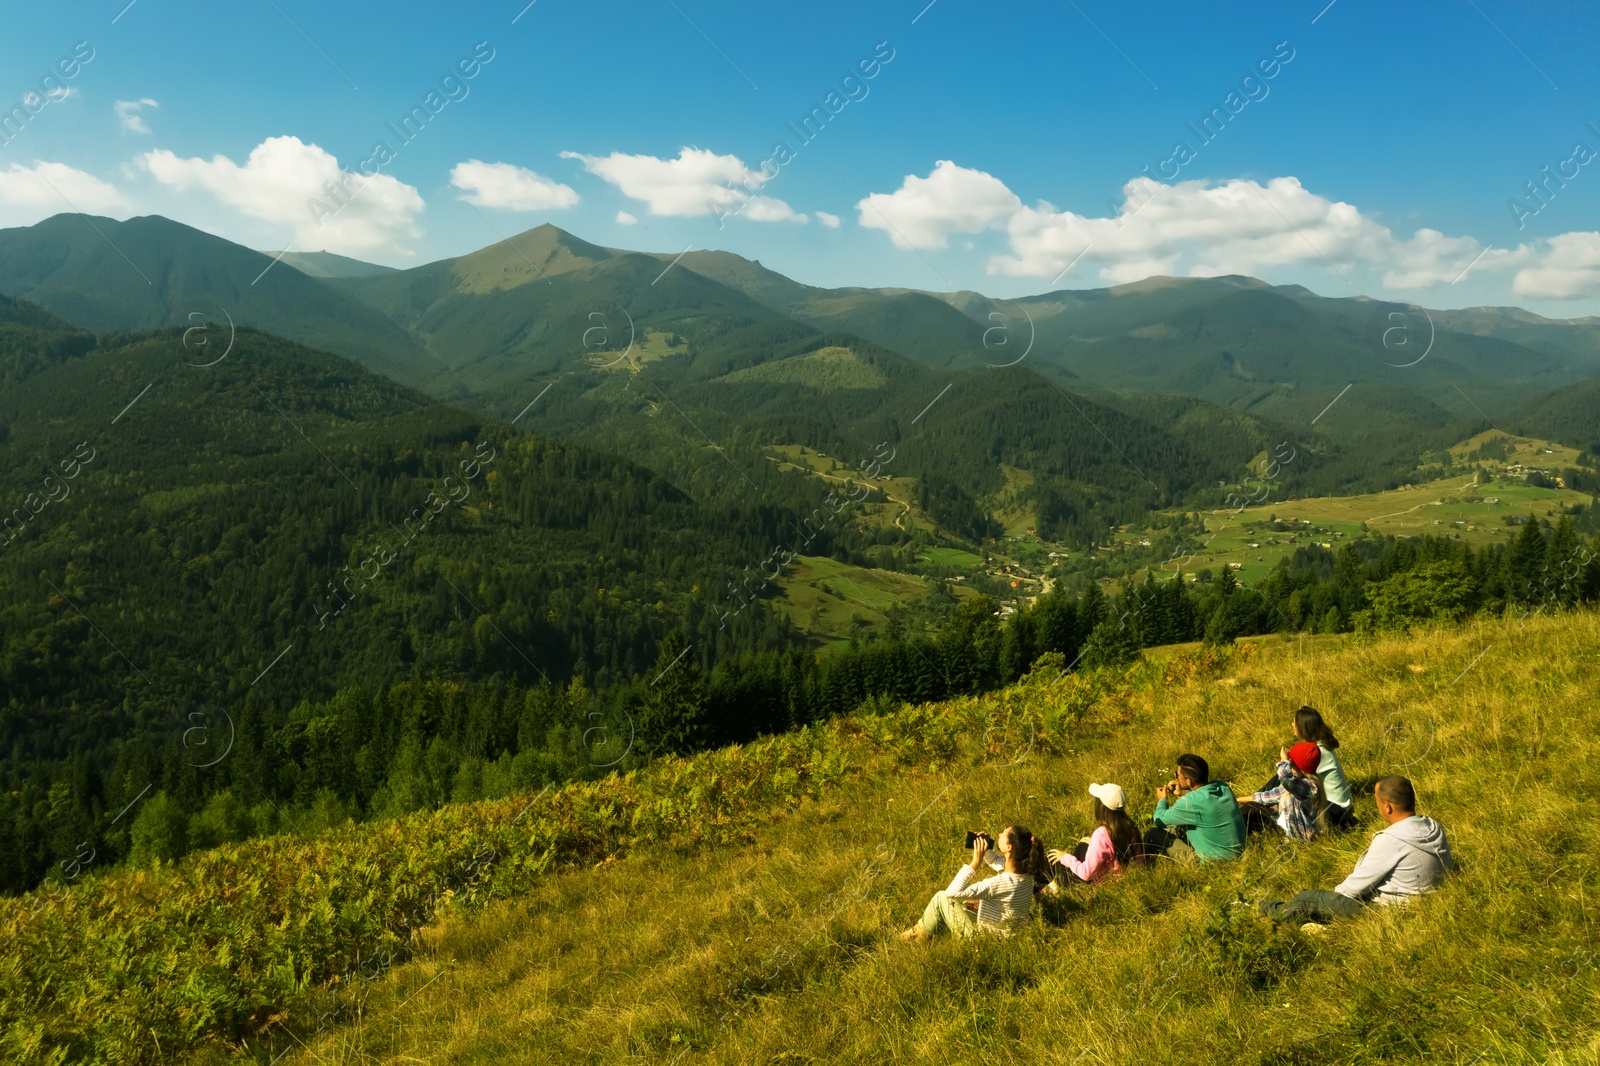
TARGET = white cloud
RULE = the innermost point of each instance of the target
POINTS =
(1197, 228)
(923, 212)
(763, 209)
(46, 189)
(128, 114)
(625, 219)
(510, 187)
(1430, 258)
(1235, 227)
(831, 221)
(299, 185)
(697, 182)
(1568, 267)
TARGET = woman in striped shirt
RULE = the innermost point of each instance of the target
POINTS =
(997, 904)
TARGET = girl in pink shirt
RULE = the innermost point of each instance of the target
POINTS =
(1115, 843)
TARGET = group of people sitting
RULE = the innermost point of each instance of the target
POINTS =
(1198, 820)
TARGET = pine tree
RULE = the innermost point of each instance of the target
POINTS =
(672, 712)
(1524, 562)
(1092, 609)
(1588, 580)
(1019, 647)
(1558, 579)
(1110, 644)
(1178, 611)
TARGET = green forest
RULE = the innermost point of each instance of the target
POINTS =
(418, 744)
(248, 588)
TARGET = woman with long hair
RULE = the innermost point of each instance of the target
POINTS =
(998, 904)
(1339, 811)
(1309, 726)
(1115, 844)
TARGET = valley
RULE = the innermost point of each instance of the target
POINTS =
(573, 579)
(586, 495)
(650, 511)
(1477, 509)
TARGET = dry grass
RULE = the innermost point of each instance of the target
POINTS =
(645, 959)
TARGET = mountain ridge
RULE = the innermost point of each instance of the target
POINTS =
(494, 328)
(150, 272)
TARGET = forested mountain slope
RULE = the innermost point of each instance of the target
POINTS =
(239, 537)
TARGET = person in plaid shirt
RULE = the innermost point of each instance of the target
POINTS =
(1297, 798)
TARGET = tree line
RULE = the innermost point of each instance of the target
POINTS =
(420, 743)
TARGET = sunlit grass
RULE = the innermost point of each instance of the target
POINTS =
(784, 951)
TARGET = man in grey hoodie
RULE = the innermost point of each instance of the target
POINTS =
(1404, 860)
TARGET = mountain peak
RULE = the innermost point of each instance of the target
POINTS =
(151, 272)
(532, 255)
(1167, 281)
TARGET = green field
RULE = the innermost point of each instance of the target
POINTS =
(893, 502)
(648, 346)
(828, 599)
(1525, 451)
(951, 557)
(1008, 506)
(825, 368)
(1455, 507)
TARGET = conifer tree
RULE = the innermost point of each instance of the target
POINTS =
(1557, 585)
(1524, 562)
(672, 711)
(1110, 644)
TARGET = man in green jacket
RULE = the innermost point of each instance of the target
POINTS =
(1196, 818)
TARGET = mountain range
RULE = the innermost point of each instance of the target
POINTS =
(696, 364)
(230, 483)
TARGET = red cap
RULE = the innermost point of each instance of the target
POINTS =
(1306, 757)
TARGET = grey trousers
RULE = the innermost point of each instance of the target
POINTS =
(1313, 905)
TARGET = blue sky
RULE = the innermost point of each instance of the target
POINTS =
(993, 151)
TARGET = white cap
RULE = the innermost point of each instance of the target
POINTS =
(1109, 794)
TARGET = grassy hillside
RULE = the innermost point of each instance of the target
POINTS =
(648, 959)
(329, 265)
(782, 950)
(739, 906)
(826, 368)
